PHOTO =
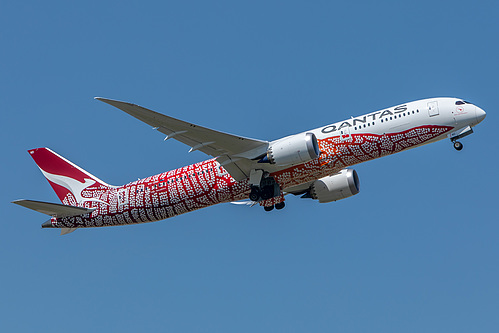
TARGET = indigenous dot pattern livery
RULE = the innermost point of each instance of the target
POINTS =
(207, 183)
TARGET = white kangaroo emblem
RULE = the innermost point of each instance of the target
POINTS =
(72, 185)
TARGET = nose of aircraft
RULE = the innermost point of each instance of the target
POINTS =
(479, 114)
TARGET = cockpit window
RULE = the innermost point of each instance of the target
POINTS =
(462, 102)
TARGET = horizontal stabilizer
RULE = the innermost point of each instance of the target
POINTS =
(65, 231)
(53, 209)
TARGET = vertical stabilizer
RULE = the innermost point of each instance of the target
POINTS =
(72, 184)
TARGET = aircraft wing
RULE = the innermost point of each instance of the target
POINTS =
(232, 151)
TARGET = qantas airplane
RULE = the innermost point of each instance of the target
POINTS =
(313, 164)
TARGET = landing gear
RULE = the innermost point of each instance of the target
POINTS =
(280, 205)
(459, 134)
(255, 193)
(458, 145)
(267, 193)
(268, 208)
(263, 186)
(277, 206)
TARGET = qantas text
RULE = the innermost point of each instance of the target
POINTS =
(363, 119)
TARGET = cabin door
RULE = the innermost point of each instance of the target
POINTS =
(433, 109)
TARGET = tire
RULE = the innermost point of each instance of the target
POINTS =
(280, 205)
(254, 195)
(268, 208)
(458, 145)
(266, 194)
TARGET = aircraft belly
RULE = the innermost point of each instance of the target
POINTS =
(165, 195)
(207, 183)
(338, 154)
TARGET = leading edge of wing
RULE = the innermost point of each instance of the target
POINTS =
(211, 142)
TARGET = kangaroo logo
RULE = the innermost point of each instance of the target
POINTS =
(72, 185)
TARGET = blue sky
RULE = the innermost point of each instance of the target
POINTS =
(415, 251)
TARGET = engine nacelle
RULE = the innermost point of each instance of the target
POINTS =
(339, 186)
(296, 149)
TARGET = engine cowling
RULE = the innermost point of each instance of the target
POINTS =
(339, 186)
(296, 149)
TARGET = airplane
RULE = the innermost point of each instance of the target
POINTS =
(314, 164)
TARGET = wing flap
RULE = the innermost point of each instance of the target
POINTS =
(53, 209)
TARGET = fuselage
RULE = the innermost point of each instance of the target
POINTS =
(342, 144)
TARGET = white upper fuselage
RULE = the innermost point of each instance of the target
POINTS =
(442, 111)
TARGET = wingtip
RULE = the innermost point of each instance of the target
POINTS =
(113, 102)
(106, 100)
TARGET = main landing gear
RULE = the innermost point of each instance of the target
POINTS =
(264, 187)
(277, 206)
(280, 205)
(264, 192)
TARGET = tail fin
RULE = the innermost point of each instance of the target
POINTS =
(72, 184)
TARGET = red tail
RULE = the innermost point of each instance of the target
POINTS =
(72, 184)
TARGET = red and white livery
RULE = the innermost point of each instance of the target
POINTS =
(312, 164)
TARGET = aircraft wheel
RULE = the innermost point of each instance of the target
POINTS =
(266, 194)
(458, 145)
(280, 205)
(254, 195)
(268, 208)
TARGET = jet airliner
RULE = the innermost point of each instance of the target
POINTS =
(313, 164)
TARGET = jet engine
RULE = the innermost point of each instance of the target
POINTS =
(339, 186)
(295, 149)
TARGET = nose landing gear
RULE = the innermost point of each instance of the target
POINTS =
(459, 134)
(458, 145)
